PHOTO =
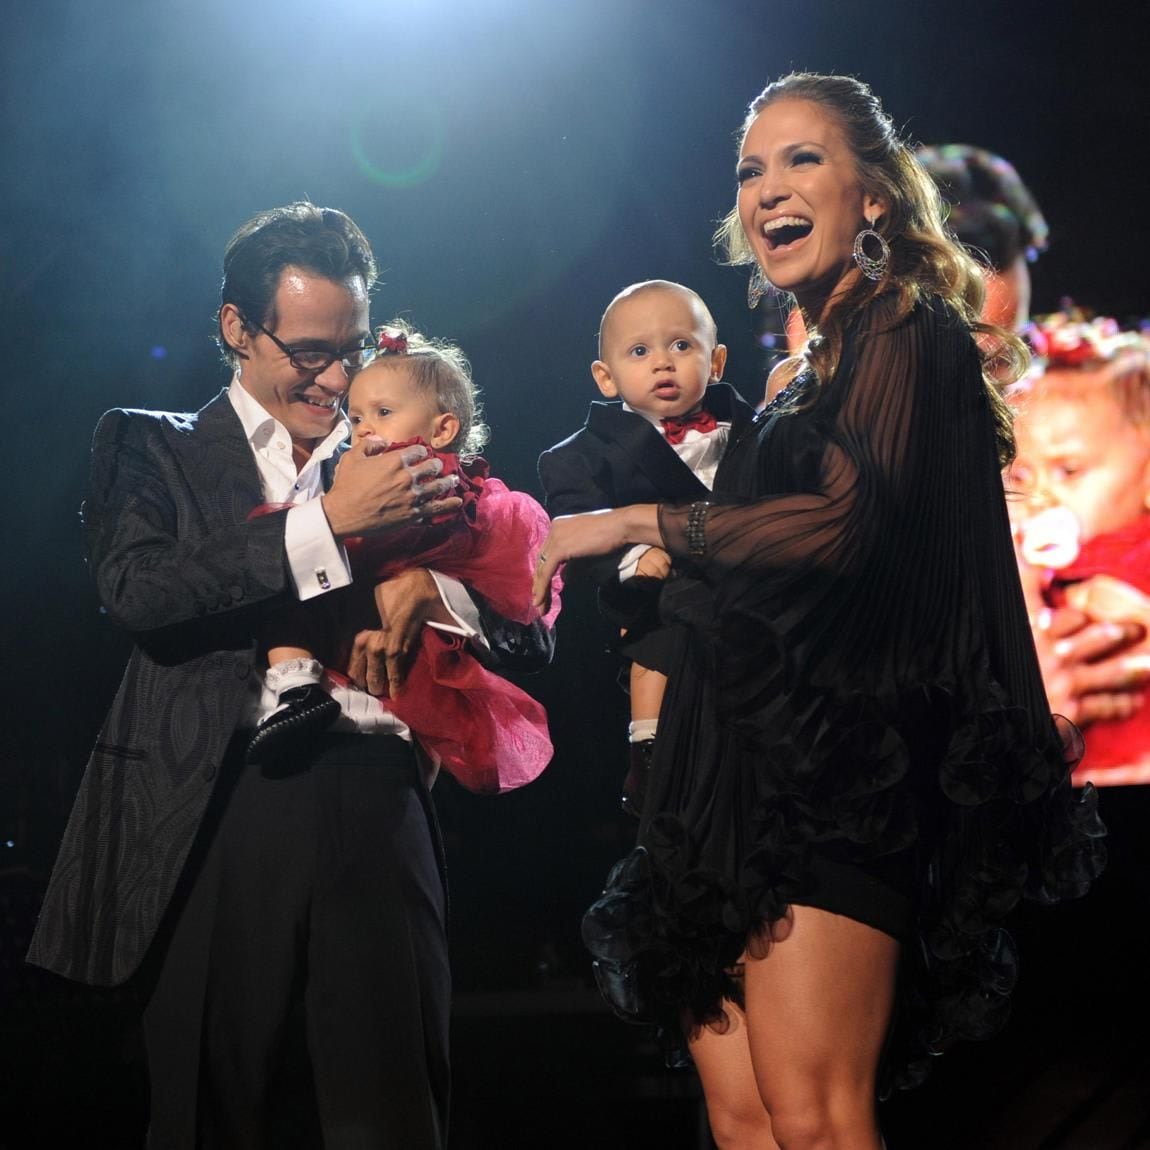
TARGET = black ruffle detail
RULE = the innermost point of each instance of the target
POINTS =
(836, 778)
(1016, 829)
(666, 932)
(993, 821)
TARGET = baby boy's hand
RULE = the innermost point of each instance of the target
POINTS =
(654, 563)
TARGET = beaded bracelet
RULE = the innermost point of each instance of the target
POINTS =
(697, 529)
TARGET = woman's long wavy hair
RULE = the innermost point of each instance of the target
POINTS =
(925, 259)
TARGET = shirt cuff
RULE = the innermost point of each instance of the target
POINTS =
(461, 607)
(630, 561)
(316, 561)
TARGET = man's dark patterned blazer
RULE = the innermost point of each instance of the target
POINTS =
(177, 564)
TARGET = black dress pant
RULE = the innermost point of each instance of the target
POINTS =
(301, 985)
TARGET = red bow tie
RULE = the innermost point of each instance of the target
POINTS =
(675, 427)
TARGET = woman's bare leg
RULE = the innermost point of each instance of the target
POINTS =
(739, 1120)
(817, 1011)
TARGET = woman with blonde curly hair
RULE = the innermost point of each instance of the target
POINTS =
(856, 774)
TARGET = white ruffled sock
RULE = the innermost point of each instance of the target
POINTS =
(294, 673)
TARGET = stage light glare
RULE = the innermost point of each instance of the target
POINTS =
(402, 153)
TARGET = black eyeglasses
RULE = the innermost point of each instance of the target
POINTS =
(317, 359)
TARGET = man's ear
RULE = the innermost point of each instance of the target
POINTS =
(234, 330)
(446, 428)
(603, 380)
(718, 362)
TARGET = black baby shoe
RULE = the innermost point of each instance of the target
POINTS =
(305, 710)
(635, 784)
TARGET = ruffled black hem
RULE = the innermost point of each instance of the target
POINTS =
(997, 822)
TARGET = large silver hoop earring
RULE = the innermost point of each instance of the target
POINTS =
(873, 267)
(756, 287)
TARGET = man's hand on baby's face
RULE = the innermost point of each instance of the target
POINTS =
(377, 490)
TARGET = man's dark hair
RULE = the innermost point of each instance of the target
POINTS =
(323, 241)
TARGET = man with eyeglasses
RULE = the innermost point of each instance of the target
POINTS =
(260, 913)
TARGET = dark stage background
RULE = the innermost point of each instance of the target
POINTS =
(514, 163)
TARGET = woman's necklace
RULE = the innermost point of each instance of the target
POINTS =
(786, 394)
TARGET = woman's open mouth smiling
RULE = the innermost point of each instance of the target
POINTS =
(783, 231)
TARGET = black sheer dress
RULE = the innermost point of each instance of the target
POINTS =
(857, 719)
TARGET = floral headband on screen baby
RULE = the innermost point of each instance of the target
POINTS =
(1065, 339)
